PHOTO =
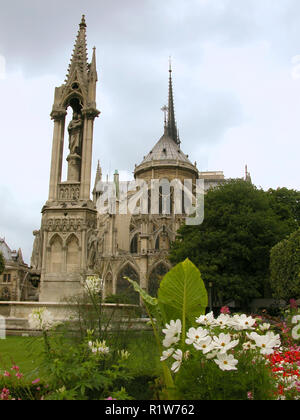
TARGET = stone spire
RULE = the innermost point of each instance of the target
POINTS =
(172, 128)
(93, 67)
(79, 59)
(98, 178)
(98, 173)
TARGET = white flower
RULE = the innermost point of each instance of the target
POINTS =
(252, 335)
(266, 342)
(264, 327)
(226, 362)
(296, 332)
(98, 347)
(195, 335)
(211, 355)
(166, 354)
(274, 337)
(242, 322)
(205, 345)
(223, 343)
(295, 319)
(207, 319)
(174, 327)
(222, 320)
(93, 284)
(178, 357)
(41, 319)
(172, 333)
(249, 346)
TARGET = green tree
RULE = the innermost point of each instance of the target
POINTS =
(2, 263)
(232, 246)
(285, 268)
(286, 203)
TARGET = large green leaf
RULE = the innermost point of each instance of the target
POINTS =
(144, 295)
(153, 310)
(182, 293)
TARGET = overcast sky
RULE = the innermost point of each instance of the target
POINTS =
(236, 77)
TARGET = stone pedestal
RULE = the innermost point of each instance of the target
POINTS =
(74, 168)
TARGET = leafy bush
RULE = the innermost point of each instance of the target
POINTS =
(285, 268)
(223, 358)
(82, 357)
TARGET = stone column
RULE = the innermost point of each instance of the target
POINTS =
(57, 153)
(87, 148)
(143, 272)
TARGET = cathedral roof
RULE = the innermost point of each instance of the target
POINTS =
(8, 254)
(166, 150)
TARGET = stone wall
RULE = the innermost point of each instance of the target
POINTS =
(16, 315)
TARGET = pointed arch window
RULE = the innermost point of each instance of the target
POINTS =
(157, 243)
(109, 284)
(134, 244)
(155, 278)
(56, 255)
(124, 288)
(73, 256)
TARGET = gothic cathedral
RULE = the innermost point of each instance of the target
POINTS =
(75, 240)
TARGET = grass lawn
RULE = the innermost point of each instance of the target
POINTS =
(24, 352)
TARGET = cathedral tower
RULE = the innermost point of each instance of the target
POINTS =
(64, 249)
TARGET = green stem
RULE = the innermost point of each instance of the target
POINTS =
(167, 374)
(183, 316)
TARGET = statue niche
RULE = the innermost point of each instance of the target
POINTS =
(92, 251)
(75, 130)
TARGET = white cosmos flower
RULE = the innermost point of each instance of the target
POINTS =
(223, 320)
(296, 332)
(295, 319)
(252, 336)
(195, 335)
(242, 322)
(207, 319)
(169, 340)
(223, 343)
(226, 362)
(249, 346)
(166, 354)
(266, 343)
(172, 332)
(205, 345)
(274, 337)
(178, 355)
(173, 328)
(211, 355)
(264, 327)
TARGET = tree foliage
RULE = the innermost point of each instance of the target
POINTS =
(232, 246)
(285, 268)
(286, 204)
